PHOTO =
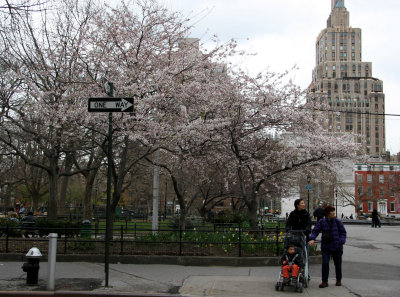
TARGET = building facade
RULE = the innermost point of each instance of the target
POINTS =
(378, 187)
(344, 86)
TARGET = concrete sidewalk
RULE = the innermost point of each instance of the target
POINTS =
(87, 279)
(370, 269)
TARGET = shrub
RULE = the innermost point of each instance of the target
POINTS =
(10, 227)
(67, 228)
(230, 218)
(174, 223)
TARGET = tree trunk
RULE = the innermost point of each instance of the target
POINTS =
(64, 183)
(252, 213)
(182, 217)
(87, 203)
(53, 190)
(35, 200)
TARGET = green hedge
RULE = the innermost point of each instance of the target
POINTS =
(42, 226)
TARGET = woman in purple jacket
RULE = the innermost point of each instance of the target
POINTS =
(332, 240)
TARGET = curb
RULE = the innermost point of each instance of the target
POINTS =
(78, 294)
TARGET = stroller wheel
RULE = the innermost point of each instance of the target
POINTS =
(277, 287)
(300, 288)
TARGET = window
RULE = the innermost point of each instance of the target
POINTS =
(370, 192)
(392, 206)
(381, 192)
(391, 177)
(369, 178)
(370, 205)
(359, 178)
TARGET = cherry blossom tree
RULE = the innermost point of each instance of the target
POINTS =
(143, 49)
(42, 55)
(272, 131)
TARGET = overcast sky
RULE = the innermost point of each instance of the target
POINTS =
(283, 34)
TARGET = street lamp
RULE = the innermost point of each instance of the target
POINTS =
(336, 201)
(309, 187)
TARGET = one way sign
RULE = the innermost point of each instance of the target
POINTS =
(110, 105)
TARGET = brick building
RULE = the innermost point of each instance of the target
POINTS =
(378, 187)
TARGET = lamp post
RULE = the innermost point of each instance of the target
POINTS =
(309, 187)
(336, 201)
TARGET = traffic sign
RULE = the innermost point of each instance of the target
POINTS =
(110, 105)
(309, 187)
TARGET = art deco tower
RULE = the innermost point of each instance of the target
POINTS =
(344, 84)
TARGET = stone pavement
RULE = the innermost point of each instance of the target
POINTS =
(370, 268)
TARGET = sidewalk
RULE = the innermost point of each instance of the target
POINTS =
(87, 279)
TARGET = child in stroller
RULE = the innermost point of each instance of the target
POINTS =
(291, 262)
(294, 262)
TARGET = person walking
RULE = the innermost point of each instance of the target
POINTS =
(299, 219)
(375, 219)
(319, 213)
(332, 240)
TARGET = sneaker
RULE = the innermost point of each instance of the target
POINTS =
(338, 283)
(323, 285)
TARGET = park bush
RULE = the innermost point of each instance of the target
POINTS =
(67, 228)
(10, 227)
(230, 218)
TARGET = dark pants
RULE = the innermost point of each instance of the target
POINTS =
(337, 260)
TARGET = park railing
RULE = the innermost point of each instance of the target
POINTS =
(231, 240)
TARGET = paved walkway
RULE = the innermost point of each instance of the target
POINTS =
(171, 280)
(365, 246)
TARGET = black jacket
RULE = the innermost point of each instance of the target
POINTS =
(293, 259)
(299, 220)
(319, 213)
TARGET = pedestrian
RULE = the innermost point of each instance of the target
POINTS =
(299, 218)
(375, 219)
(332, 240)
(29, 222)
(319, 212)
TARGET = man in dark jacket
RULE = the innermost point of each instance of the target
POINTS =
(332, 241)
(375, 219)
(319, 212)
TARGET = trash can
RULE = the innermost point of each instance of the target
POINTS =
(86, 231)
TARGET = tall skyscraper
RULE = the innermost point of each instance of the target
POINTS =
(343, 84)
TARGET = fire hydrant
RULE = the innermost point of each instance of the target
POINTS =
(32, 267)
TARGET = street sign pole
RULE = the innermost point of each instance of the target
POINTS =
(109, 172)
(109, 104)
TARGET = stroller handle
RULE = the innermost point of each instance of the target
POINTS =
(297, 231)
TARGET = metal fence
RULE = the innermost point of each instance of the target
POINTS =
(219, 240)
